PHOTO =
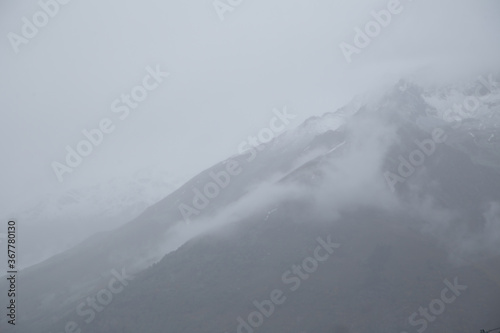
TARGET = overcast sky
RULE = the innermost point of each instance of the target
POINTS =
(226, 76)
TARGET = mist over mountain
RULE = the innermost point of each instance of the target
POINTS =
(59, 221)
(227, 166)
(381, 216)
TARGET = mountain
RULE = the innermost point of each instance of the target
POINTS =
(382, 216)
(59, 221)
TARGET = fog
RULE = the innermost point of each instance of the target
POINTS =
(205, 146)
(353, 180)
(225, 77)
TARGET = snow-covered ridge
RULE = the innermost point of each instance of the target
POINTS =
(478, 99)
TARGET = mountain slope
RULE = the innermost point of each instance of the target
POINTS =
(398, 240)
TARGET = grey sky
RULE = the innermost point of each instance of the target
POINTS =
(225, 76)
